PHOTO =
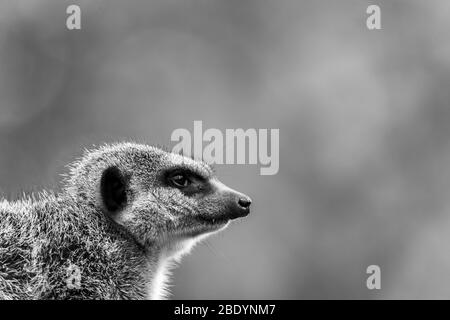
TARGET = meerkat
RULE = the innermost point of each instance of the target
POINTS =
(126, 214)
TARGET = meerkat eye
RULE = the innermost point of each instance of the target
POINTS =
(180, 180)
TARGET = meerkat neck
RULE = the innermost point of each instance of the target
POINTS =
(160, 267)
(161, 262)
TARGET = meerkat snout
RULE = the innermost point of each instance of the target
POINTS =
(238, 203)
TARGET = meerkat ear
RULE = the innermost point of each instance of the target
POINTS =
(113, 187)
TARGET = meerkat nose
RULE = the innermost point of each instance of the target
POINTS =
(238, 204)
(245, 202)
(241, 207)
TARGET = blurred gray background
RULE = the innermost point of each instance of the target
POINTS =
(364, 121)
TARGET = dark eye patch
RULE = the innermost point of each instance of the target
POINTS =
(180, 180)
(197, 183)
(189, 173)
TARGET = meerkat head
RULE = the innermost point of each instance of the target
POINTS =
(159, 197)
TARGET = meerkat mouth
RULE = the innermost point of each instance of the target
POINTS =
(224, 218)
(214, 220)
